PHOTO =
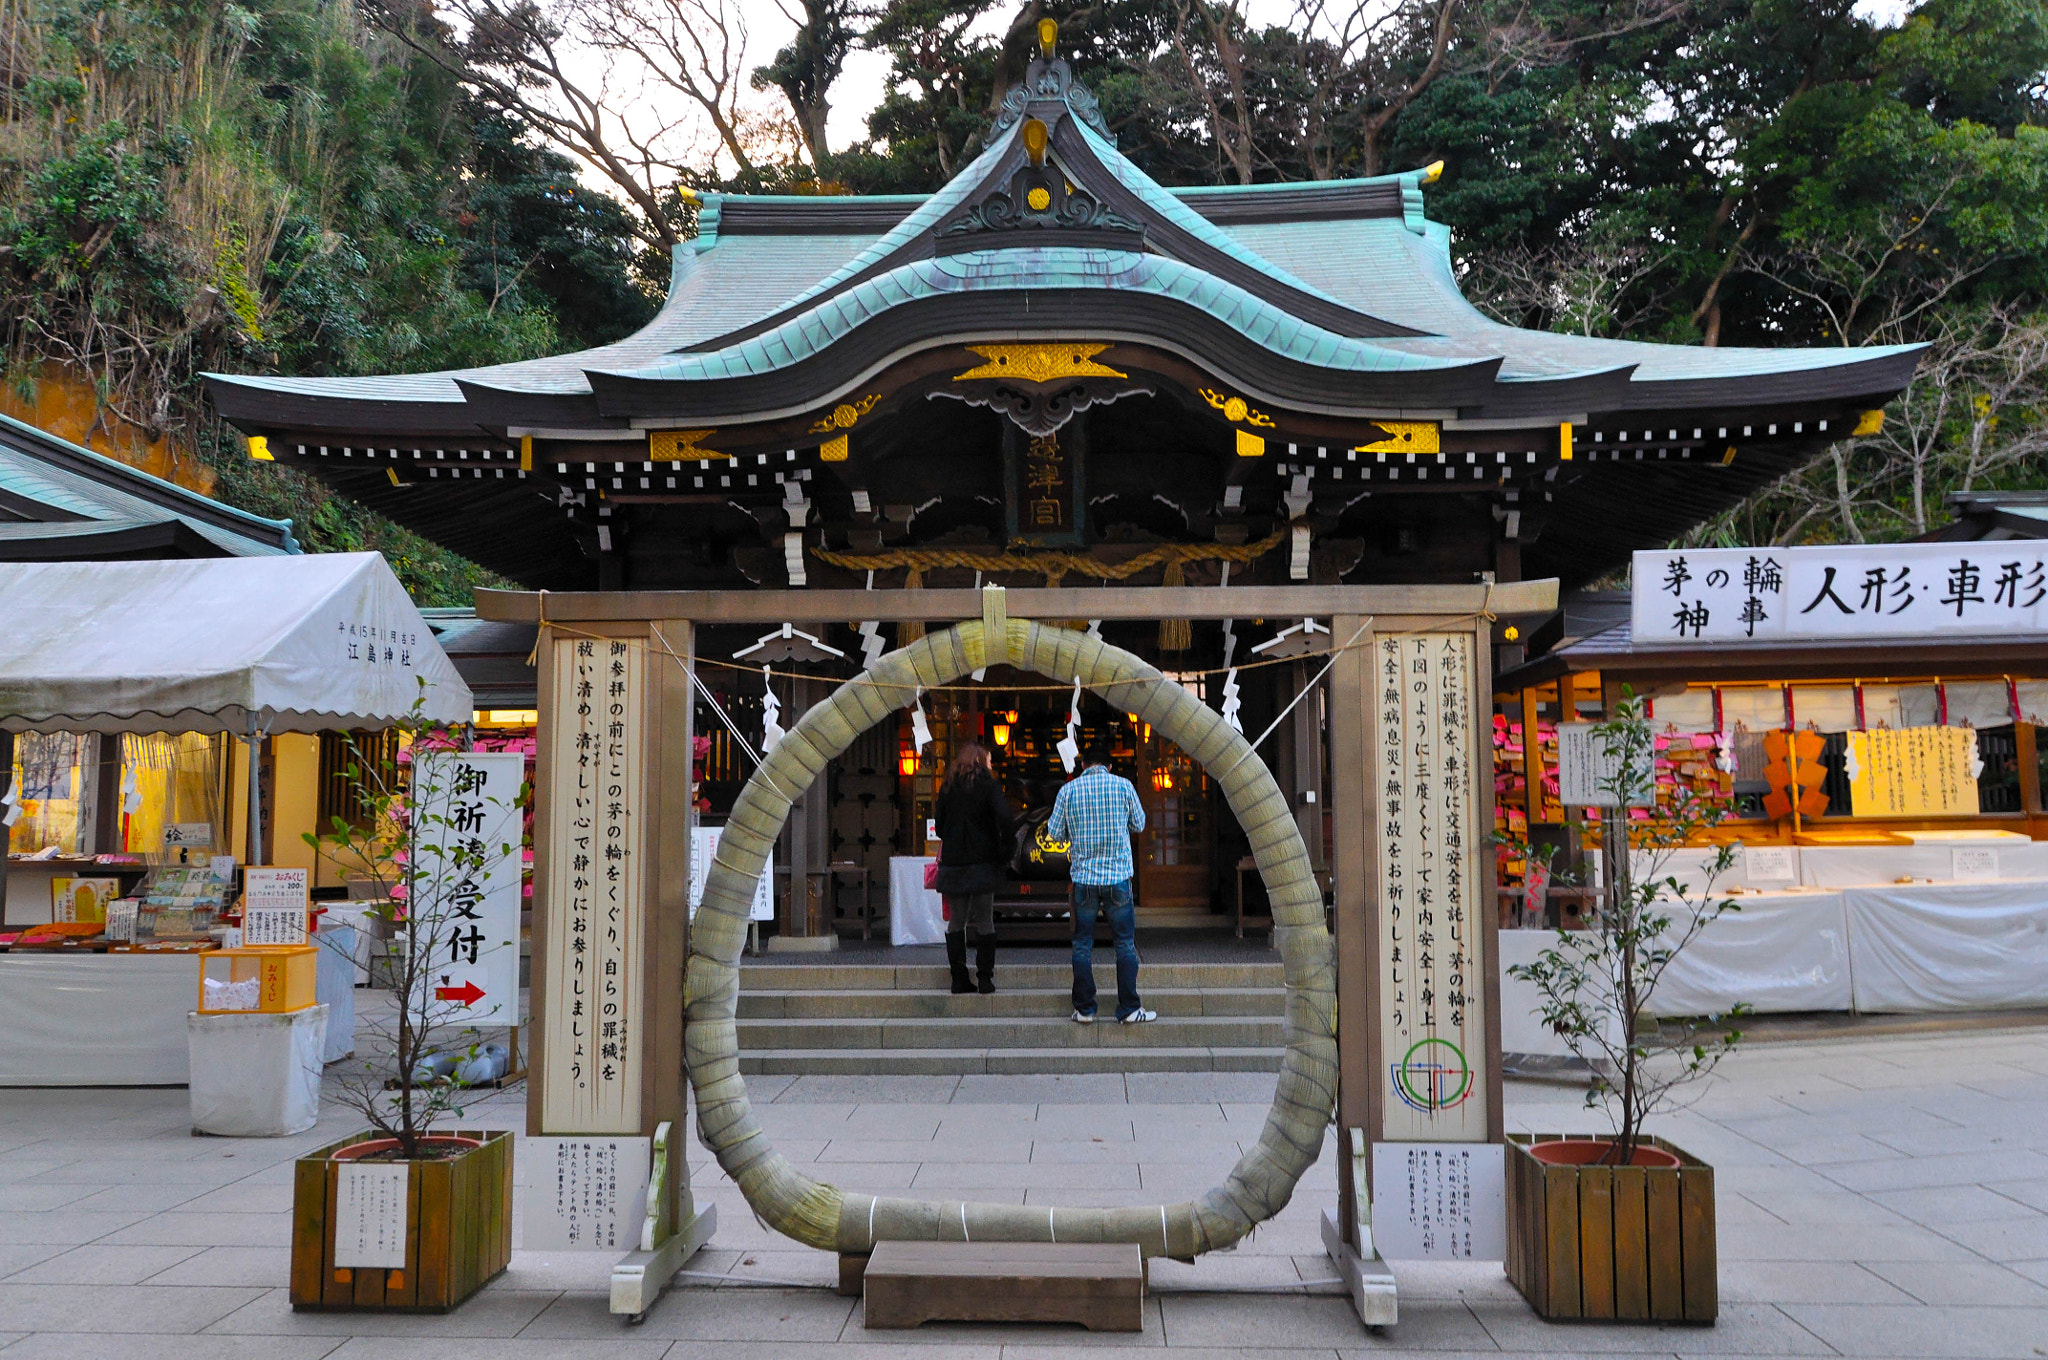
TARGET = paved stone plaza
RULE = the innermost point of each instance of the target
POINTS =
(1878, 1197)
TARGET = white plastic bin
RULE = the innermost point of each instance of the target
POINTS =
(256, 1075)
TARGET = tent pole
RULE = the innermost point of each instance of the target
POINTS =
(254, 839)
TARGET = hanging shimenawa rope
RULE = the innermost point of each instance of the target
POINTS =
(823, 1216)
(1175, 635)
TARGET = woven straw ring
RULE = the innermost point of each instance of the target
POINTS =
(822, 1216)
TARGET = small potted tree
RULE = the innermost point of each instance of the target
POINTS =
(407, 1214)
(1621, 1225)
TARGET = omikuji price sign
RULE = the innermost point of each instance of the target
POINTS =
(476, 965)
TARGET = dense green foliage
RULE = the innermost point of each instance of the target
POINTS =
(270, 187)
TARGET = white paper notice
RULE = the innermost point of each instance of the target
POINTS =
(1973, 863)
(1766, 864)
(703, 846)
(275, 903)
(369, 1216)
(1439, 1201)
(584, 1194)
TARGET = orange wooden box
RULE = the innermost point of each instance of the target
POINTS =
(287, 973)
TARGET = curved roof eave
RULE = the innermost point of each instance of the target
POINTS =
(1025, 271)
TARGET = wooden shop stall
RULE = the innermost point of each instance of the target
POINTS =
(175, 665)
(1866, 721)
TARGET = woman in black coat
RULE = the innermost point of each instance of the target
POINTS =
(974, 844)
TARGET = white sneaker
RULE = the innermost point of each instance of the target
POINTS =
(1082, 1018)
(1141, 1016)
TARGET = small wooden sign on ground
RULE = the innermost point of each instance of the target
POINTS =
(1099, 1285)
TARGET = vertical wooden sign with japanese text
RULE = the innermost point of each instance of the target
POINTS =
(1435, 890)
(596, 887)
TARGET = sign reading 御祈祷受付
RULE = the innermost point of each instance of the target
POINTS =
(594, 887)
(1433, 888)
(1891, 590)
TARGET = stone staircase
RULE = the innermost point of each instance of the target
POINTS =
(881, 1019)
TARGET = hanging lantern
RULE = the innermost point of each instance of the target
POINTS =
(999, 733)
(906, 763)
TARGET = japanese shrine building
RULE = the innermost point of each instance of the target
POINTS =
(1054, 370)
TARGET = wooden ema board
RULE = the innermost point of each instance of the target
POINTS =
(1099, 1285)
(1630, 1243)
(458, 1232)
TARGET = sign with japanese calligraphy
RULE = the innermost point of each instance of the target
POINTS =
(1892, 590)
(1912, 772)
(275, 905)
(1439, 1201)
(595, 886)
(1433, 887)
(1043, 499)
(703, 846)
(584, 1194)
(369, 1215)
(470, 800)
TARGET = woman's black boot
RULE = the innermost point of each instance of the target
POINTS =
(985, 962)
(956, 955)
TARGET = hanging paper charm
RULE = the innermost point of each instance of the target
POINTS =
(1231, 702)
(771, 713)
(920, 730)
(1070, 746)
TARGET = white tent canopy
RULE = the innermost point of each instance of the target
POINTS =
(298, 644)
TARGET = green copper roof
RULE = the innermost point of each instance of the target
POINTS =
(1045, 267)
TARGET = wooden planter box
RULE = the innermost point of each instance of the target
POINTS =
(458, 1232)
(1628, 1243)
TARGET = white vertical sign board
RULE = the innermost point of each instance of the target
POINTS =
(275, 905)
(369, 1215)
(595, 892)
(1433, 889)
(1587, 770)
(476, 971)
(704, 845)
(1439, 1201)
(584, 1194)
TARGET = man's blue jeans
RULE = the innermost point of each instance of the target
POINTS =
(1114, 899)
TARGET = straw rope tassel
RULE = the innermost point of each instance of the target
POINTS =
(1175, 635)
(822, 1216)
(911, 630)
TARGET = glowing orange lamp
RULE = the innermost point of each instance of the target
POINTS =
(999, 733)
(906, 763)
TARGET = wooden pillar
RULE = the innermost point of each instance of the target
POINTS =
(1532, 755)
(106, 783)
(1353, 809)
(1305, 727)
(6, 832)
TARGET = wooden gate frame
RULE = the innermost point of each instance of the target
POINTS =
(1357, 614)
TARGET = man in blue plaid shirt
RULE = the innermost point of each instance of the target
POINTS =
(1095, 814)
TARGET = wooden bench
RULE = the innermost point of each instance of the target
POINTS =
(1099, 1285)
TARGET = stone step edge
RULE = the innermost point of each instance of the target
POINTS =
(1005, 1062)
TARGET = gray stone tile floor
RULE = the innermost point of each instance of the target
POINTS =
(1878, 1197)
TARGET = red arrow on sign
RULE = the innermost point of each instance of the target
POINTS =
(468, 993)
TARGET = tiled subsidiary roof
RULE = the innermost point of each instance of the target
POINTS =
(51, 488)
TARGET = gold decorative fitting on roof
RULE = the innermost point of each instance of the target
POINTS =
(1870, 422)
(1040, 363)
(680, 445)
(259, 449)
(845, 414)
(1048, 37)
(1237, 410)
(1406, 436)
(1432, 172)
(1035, 139)
(833, 450)
(1040, 198)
